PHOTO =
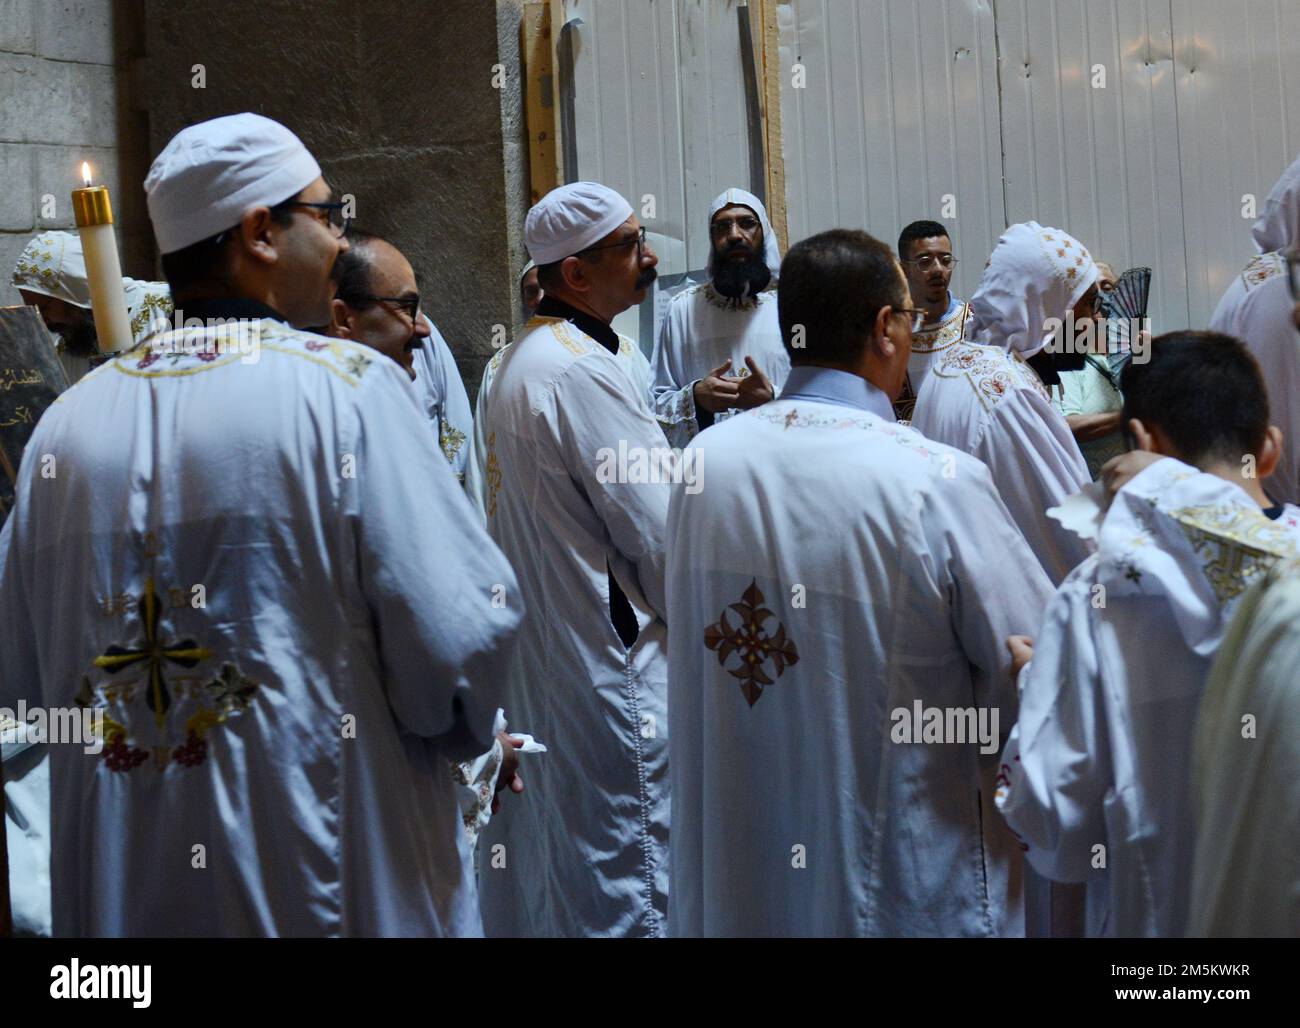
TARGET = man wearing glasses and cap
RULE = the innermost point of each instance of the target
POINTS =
(584, 854)
(213, 555)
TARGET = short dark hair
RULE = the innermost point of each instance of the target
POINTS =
(351, 271)
(833, 285)
(205, 261)
(549, 276)
(918, 230)
(1205, 392)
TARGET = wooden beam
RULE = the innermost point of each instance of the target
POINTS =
(537, 50)
(770, 41)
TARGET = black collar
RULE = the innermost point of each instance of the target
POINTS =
(599, 330)
(225, 307)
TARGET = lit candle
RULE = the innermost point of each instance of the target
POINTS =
(94, 214)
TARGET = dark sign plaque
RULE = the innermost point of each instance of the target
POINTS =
(30, 379)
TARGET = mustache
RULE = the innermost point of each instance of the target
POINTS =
(646, 277)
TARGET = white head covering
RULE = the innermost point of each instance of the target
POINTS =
(53, 264)
(1034, 273)
(529, 267)
(1277, 228)
(211, 173)
(572, 218)
(771, 250)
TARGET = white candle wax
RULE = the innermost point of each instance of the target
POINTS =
(107, 293)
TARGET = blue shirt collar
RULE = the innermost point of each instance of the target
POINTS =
(829, 385)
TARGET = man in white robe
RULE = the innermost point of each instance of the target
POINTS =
(1096, 778)
(925, 252)
(1257, 309)
(570, 440)
(1246, 871)
(377, 302)
(211, 552)
(837, 581)
(1274, 233)
(630, 359)
(719, 349)
(50, 275)
(982, 397)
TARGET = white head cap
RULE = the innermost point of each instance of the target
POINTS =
(572, 218)
(771, 250)
(211, 173)
(1034, 274)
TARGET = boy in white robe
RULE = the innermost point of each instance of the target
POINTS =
(585, 853)
(1096, 778)
(1246, 872)
(719, 349)
(837, 580)
(211, 554)
(982, 397)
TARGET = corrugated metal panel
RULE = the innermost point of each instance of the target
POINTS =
(661, 111)
(899, 109)
(1100, 162)
(1238, 69)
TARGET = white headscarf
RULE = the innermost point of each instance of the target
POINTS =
(1277, 227)
(1034, 274)
(771, 251)
(52, 264)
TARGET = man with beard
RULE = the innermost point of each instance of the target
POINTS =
(51, 276)
(585, 855)
(377, 302)
(983, 397)
(925, 252)
(719, 350)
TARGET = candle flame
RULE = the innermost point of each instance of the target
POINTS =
(85, 172)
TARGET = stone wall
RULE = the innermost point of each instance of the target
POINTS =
(66, 68)
(396, 100)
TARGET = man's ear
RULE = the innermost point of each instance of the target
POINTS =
(574, 274)
(881, 343)
(254, 235)
(1270, 454)
(340, 320)
(1144, 438)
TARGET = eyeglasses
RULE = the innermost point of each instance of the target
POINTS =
(918, 316)
(721, 228)
(638, 239)
(408, 305)
(925, 263)
(333, 218)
